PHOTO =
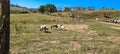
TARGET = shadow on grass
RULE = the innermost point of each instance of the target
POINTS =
(47, 32)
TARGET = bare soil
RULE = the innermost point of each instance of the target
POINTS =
(79, 28)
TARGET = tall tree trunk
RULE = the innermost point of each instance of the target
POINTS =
(5, 28)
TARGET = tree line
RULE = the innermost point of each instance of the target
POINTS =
(50, 8)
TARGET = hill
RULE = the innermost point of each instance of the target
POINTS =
(87, 14)
(20, 9)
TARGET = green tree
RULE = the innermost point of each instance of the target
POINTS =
(50, 8)
(67, 9)
(42, 9)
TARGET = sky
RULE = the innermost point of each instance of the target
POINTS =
(63, 3)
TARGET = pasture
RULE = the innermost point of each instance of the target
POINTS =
(87, 37)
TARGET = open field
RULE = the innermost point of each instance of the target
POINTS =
(87, 37)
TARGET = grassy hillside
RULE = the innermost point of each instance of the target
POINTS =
(20, 9)
(17, 8)
(26, 37)
(98, 14)
(86, 14)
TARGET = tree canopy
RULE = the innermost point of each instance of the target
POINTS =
(42, 9)
(67, 9)
(48, 8)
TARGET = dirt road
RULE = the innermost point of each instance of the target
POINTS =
(114, 26)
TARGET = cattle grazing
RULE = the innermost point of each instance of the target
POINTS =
(62, 27)
(118, 21)
(54, 26)
(58, 26)
(44, 28)
(114, 21)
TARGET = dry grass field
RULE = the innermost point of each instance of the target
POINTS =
(87, 37)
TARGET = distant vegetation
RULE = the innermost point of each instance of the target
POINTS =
(84, 13)
(19, 9)
(67, 9)
(48, 8)
(97, 14)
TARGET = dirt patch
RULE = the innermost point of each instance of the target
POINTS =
(118, 28)
(92, 32)
(113, 38)
(79, 28)
(114, 26)
(54, 41)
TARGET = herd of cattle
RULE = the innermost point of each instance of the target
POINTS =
(114, 20)
(45, 27)
(58, 26)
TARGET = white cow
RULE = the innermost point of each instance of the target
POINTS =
(44, 28)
